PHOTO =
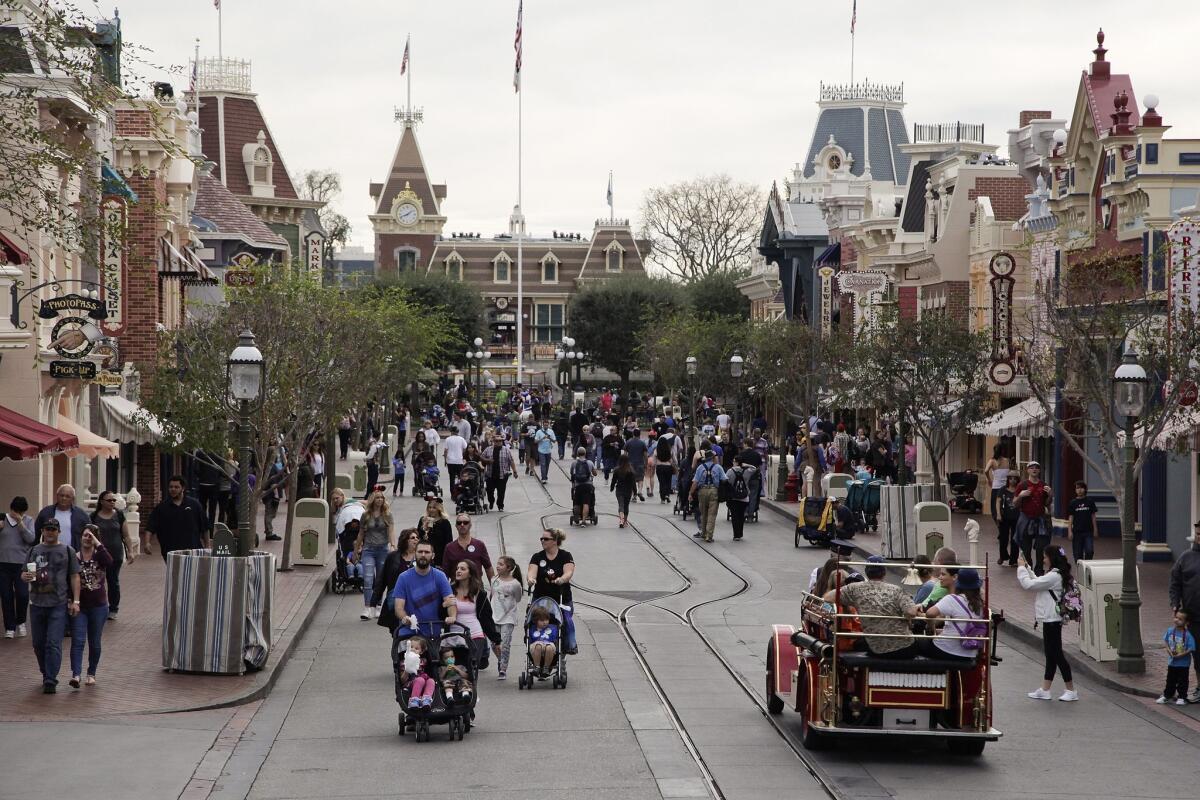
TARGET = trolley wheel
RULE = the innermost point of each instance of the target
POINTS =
(966, 747)
(774, 704)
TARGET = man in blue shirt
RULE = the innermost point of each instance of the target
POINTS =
(545, 439)
(420, 594)
(707, 477)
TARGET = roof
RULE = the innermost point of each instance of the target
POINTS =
(408, 169)
(851, 128)
(216, 204)
(1100, 87)
(914, 203)
(243, 121)
(805, 220)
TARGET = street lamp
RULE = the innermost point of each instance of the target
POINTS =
(578, 367)
(691, 373)
(736, 369)
(244, 372)
(1129, 385)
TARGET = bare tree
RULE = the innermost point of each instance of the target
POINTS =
(702, 226)
(324, 185)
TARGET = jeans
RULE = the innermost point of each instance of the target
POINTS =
(562, 447)
(270, 509)
(344, 442)
(453, 471)
(737, 513)
(112, 576)
(495, 491)
(1177, 683)
(87, 624)
(664, 473)
(1052, 646)
(1004, 536)
(755, 495)
(372, 562)
(46, 627)
(569, 618)
(506, 632)
(14, 595)
(544, 461)
(372, 478)
(398, 483)
(1083, 545)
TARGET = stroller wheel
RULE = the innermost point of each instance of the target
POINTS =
(521, 681)
(401, 722)
(453, 728)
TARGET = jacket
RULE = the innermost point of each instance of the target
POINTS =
(15, 540)
(79, 518)
(1184, 587)
(1045, 607)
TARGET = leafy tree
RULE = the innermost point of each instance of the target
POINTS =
(611, 321)
(458, 304)
(322, 349)
(702, 226)
(717, 294)
(791, 364)
(932, 371)
(711, 340)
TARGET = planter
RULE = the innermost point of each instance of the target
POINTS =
(217, 612)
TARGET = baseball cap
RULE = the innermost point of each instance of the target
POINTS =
(50, 523)
(1033, 464)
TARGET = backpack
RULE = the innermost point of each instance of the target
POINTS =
(973, 628)
(581, 472)
(739, 490)
(663, 450)
(1070, 605)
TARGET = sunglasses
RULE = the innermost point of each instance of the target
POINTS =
(462, 522)
(547, 539)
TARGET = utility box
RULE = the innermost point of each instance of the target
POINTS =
(310, 532)
(934, 529)
(836, 484)
(1100, 594)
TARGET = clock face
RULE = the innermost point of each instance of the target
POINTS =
(406, 214)
(1002, 264)
(835, 161)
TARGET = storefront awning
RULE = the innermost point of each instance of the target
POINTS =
(830, 255)
(1026, 419)
(22, 437)
(126, 421)
(90, 444)
(1184, 426)
(115, 184)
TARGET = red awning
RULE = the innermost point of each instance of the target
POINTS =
(22, 437)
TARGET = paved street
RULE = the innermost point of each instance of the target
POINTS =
(328, 727)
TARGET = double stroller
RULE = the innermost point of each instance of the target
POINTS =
(557, 671)
(342, 581)
(468, 490)
(862, 498)
(454, 712)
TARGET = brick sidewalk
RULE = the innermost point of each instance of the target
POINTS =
(1017, 604)
(130, 678)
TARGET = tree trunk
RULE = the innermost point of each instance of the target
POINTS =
(286, 561)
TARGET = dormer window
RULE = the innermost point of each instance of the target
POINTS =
(454, 267)
(550, 268)
(502, 269)
(614, 257)
(260, 167)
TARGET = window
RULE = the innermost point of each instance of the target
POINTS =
(548, 322)
(406, 259)
(502, 269)
(614, 257)
(550, 268)
(454, 267)
(256, 157)
(1151, 153)
(13, 56)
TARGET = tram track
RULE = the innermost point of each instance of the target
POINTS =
(621, 618)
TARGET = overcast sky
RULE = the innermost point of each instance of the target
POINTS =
(655, 90)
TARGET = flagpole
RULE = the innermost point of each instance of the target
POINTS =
(520, 246)
(853, 23)
(611, 216)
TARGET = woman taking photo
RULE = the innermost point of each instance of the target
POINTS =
(624, 483)
(549, 574)
(474, 611)
(86, 626)
(1050, 586)
(435, 528)
(376, 538)
(114, 535)
(397, 561)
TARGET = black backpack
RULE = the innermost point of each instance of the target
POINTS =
(581, 472)
(739, 490)
(663, 451)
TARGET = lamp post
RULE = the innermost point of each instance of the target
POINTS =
(736, 368)
(691, 373)
(1129, 384)
(244, 373)
(579, 367)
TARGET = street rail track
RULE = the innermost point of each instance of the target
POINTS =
(621, 618)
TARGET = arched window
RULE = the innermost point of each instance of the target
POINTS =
(614, 257)
(454, 267)
(406, 259)
(502, 269)
(550, 268)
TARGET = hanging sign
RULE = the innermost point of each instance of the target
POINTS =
(826, 275)
(867, 288)
(78, 370)
(73, 337)
(112, 265)
(53, 306)
(1184, 260)
(314, 247)
(1002, 267)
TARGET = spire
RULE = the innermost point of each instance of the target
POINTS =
(1101, 69)
(408, 172)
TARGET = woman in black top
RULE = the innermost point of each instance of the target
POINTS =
(1006, 519)
(624, 483)
(397, 561)
(435, 528)
(114, 535)
(417, 453)
(549, 573)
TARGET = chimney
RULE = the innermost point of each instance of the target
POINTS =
(1029, 116)
(1101, 69)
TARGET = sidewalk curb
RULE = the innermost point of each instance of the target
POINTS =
(266, 677)
(1020, 631)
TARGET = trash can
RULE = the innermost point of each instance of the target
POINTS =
(934, 529)
(344, 482)
(360, 480)
(311, 532)
(836, 484)
(385, 459)
(1100, 594)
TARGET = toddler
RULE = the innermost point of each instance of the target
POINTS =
(416, 664)
(455, 678)
(506, 597)
(1180, 646)
(398, 470)
(543, 641)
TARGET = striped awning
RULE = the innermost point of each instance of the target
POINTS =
(830, 255)
(1025, 420)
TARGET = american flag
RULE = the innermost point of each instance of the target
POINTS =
(517, 47)
(853, 16)
(404, 61)
(217, 4)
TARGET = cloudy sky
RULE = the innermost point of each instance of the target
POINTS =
(655, 90)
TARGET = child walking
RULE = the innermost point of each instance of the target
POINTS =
(1180, 645)
(506, 597)
(398, 470)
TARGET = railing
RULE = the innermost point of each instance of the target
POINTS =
(939, 132)
(863, 91)
(222, 74)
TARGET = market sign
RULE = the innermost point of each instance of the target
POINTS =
(79, 370)
(314, 245)
(112, 265)
(1002, 267)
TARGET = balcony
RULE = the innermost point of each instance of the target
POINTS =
(948, 133)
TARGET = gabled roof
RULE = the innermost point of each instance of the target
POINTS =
(216, 204)
(1099, 86)
(408, 168)
(243, 120)
(602, 237)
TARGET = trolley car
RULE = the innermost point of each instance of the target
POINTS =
(840, 693)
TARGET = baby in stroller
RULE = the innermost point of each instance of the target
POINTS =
(416, 673)
(468, 490)
(456, 680)
(545, 656)
(429, 476)
(348, 573)
(543, 641)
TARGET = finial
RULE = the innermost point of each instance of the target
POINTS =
(1100, 67)
(1100, 37)
(1151, 117)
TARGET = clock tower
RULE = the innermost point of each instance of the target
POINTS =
(408, 216)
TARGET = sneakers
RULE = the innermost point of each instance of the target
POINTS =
(10, 634)
(274, 537)
(414, 702)
(1179, 701)
(502, 676)
(366, 613)
(1194, 697)
(697, 535)
(49, 688)
(375, 612)
(74, 682)
(1039, 694)
(112, 616)
(426, 702)
(22, 631)
(1163, 700)
(465, 695)
(1069, 696)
